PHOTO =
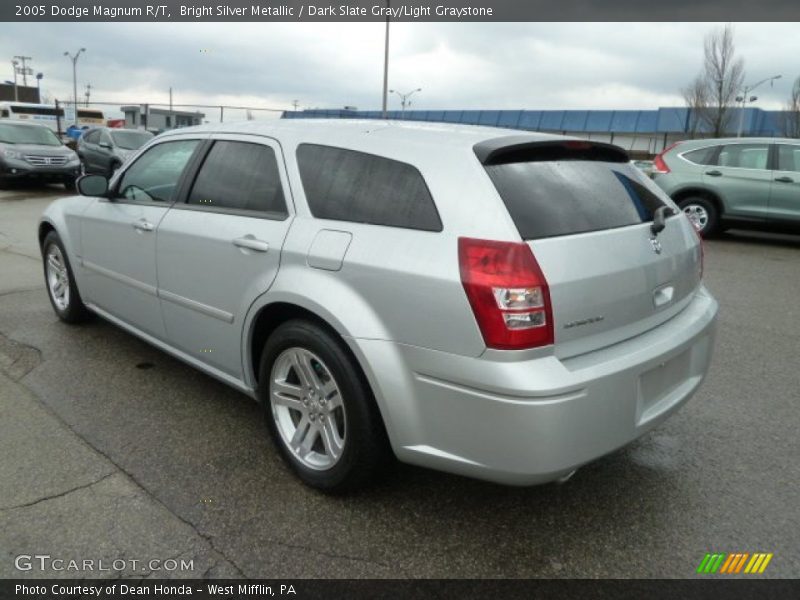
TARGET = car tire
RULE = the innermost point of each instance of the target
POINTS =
(320, 411)
(702, 213)
(3, 183)
(60, 282)
(69, 184)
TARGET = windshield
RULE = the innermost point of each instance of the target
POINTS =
(27, 134)
(130, 140)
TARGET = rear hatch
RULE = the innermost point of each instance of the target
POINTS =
(587, 215)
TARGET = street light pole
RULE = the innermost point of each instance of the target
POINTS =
(386, 63)
(74, 59)
(745, 98)
(404, 99)
(14, 64)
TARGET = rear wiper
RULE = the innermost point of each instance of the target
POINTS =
(659, 219)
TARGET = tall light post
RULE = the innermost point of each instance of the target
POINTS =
(74, 59)
(386, 63)
(14, 64)
(404, 98)
(746, 97)
(39, 86)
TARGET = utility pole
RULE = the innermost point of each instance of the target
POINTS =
(171, 119)
(74, 59)
(386, 63)
(88, 92)
(25, 69)
(14, 64)
(295, 103)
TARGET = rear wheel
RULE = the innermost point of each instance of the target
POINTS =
(320, 411)
(702, 213)
(60, 282)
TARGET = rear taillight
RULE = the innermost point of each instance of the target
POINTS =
(508, 293)
(659, 165)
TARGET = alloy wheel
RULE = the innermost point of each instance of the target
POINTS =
(57, 277)
(307, 408)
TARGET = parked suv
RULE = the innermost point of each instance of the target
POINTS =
(741, 182)
(32, 151)
(503, 306)
(103, 149)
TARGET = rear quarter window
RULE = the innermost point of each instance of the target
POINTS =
(564, 197)
(345, 185)
(702, 156)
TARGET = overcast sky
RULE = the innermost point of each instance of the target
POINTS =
(457, 65)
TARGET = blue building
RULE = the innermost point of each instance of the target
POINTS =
(641, 132)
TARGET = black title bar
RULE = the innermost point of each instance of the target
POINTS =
(397, 10)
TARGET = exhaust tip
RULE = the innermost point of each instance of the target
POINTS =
(565, 478)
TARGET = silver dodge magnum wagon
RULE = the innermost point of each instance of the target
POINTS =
(500, 305)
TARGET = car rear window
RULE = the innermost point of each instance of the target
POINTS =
(563, 197)
(345, 185)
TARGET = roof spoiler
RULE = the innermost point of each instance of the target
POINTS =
(511, 149)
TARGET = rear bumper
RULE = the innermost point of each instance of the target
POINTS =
(533, 421)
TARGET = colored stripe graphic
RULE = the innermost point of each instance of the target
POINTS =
(733, 563)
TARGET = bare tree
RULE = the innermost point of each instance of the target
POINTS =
(790, 117)
(712, 94)
(696, 98)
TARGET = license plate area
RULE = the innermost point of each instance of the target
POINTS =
(658, 385)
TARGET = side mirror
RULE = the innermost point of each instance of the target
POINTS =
(92, 185)
(105, 145)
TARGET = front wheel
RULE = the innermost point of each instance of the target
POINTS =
(702, 213)
(320, 411)
(60, 282)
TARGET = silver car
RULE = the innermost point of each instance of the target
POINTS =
(502, 306)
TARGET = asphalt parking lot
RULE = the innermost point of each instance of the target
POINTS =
(110, 448)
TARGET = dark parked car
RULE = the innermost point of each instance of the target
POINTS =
(103, 150)
(32, 151)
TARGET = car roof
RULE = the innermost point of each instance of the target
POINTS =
(349, 132)
(702, 143)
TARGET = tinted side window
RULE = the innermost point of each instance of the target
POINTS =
(552, 198)
(155, 174)
(92, 136)
(239, 175)
(788, 157)
(744, 156)
(345, 185)
(703, 156)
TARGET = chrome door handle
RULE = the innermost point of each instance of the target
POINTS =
(784, 179)
(714, 173)
(251, 243)
(143, 225)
